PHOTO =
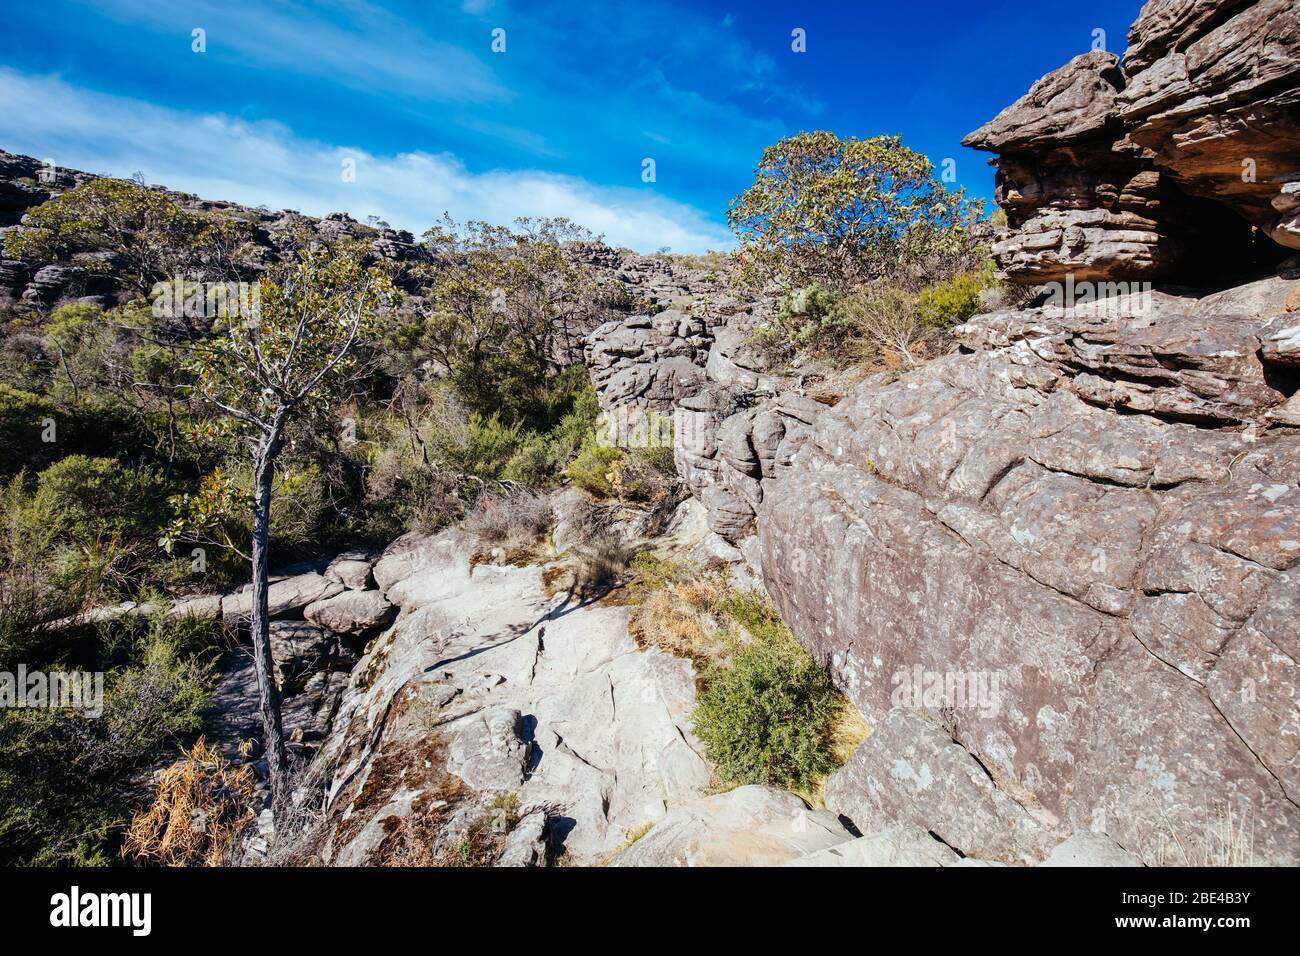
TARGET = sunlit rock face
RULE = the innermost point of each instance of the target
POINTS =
(1088, 527)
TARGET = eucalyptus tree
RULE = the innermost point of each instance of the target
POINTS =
(292, 357)
(838, 213)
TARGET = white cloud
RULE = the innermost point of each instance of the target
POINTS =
(264, 163)
(357, 44)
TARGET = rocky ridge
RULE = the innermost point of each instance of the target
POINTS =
(641, 281)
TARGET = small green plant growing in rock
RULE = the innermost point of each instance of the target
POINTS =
(955, 300)
(770, 717)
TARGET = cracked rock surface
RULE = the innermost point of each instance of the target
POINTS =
(1105, 518)
(536, 696)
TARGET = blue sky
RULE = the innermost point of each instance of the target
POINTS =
(559, 124)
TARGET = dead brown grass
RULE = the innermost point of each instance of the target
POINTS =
(201, 806)
(677, 610)
(511, 528)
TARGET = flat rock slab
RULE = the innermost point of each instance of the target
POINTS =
(512, 691)
(748, 826)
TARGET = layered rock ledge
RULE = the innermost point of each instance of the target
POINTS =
(1161, 163)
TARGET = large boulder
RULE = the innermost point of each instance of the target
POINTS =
(352, 570)
(351, 612)
(748, 826)
(1057, 573)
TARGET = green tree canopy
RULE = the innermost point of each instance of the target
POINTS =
(839, 212)
(151, 236)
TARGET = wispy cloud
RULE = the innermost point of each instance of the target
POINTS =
(265, 163)
(352, 42)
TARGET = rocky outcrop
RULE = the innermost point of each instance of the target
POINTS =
(763, 826)
(488, 686)
(648, 361)
(748, 826)
(1214, 95)
(91, 277)
(728, 442)
(1083, 534)
(732, 419)
(1157, 165)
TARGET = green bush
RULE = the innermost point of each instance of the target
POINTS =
(62, 773)
(950, 303)
(24, 418)
(806, 322)
(843, 212)
(99, 499)
(770, 717)
(533, 462)
(37, 586)
(593, 469)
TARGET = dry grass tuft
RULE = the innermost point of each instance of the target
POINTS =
(679, 610)
(602, 563)
(1225, 837)
(201, 805)
(511, 528)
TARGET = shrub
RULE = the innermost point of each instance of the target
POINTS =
(603, 560)
(533, 463)
(26, 363)
(63, 774)
(679, 609)
(515, 517)
(38, 586)
(770, 717)
(593, 469)
(841, 212)
(23, 420)
(883, 326)
(98, 499)
(950, 303)
(628, 474)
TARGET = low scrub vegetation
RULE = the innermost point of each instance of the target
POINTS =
(767, 712)
(62, 799)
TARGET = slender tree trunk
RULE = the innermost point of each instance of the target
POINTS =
(268, 694)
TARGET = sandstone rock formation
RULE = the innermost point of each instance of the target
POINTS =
(763, 826)
(651, 361)
(530, 694)
(748, 826)
(1106, 169)
(1064, 509)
